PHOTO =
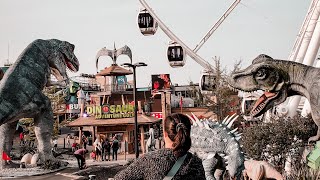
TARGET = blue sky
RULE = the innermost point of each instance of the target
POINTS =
(254, 27)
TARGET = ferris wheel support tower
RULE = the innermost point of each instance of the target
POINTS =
(307, 48)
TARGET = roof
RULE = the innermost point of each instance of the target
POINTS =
(91, 121)
(114, 70)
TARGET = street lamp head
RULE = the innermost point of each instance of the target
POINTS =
(127, 64)
(138, 64)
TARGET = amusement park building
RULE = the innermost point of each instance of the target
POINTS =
(110, 111)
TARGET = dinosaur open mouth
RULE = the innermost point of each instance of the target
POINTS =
(262, 102)
(72, 66)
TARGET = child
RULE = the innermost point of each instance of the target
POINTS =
(93, 155)
(74, 147)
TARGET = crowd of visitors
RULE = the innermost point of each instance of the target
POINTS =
(174, 160)
(101, 149)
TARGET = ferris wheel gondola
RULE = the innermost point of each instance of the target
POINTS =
(207, 81)
(147, 24)
(176, 55)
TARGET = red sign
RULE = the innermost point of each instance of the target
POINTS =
(160, 82)
(157, 115)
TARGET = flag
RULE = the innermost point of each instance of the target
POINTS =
(5, 156)
(181, 103)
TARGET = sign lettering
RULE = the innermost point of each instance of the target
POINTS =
(111, 111)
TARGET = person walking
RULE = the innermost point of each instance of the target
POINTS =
(80, 155)
(97, 148)
(68, 141)
(55, 144)
(84, 140)
(115, 147)
(103, 153)
(174, 161)
(107, 149)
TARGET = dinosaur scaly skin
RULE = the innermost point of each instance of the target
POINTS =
(280, 79)
(21, 91)
(210, 139)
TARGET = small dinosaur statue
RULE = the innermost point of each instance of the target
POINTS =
(21, 91)
(259, 170)
(213, 142)
(280, 79)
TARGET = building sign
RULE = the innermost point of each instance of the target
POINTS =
(160, 82)
(72, 108)
(121, 80)
(157, 115)
(111, 111)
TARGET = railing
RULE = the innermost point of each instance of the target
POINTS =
(90, 87)
(117, 87)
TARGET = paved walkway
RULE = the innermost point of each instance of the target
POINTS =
(66, 174)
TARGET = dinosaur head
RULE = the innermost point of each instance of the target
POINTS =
(265, 74)
(62, 57)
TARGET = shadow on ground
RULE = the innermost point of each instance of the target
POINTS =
(101, 172)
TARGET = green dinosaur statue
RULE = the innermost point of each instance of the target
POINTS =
(279, 79)
(21, 91)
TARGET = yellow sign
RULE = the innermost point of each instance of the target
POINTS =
(111, 111)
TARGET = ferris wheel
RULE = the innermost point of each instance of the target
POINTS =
(148, 23)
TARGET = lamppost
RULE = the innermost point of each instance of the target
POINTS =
(133, 66)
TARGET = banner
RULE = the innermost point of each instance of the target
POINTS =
(160, 82)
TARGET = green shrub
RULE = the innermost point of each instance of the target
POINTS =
(275, 140)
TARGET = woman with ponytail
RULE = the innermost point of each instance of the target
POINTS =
(163, 163)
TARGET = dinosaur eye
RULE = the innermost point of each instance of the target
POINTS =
(261, 74)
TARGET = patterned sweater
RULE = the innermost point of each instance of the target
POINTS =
(156, 165)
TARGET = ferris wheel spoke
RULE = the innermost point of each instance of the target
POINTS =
(173, 37)
(216, 25)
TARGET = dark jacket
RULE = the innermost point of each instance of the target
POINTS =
(106, 146)
(156, 165)
(115, 144)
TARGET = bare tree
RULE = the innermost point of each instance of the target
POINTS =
(221, 99)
